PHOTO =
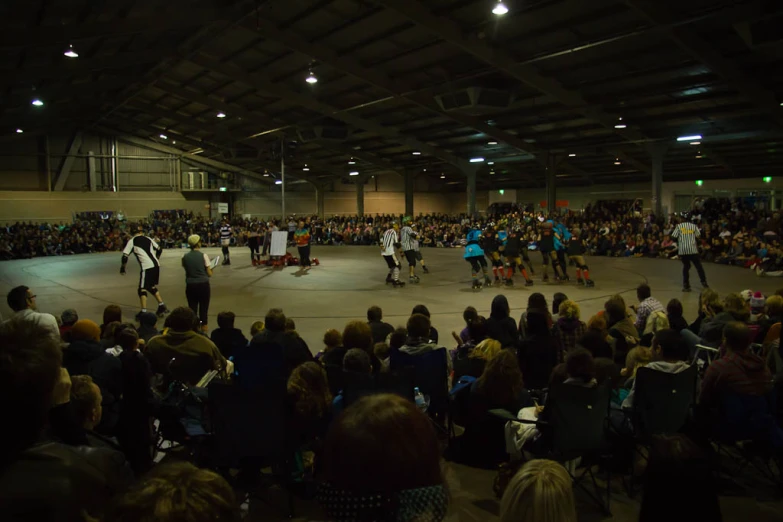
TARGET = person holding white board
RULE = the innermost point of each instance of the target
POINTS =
(198, 270)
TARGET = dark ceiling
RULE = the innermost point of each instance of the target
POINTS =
(546, 83)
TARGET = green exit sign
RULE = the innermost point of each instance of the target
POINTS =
(699, 182)
(767, 179)
(501, 192)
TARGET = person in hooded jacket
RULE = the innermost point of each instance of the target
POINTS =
(669, 355)
(500, 325)
(86, 356)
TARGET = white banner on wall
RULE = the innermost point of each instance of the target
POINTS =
(222, 208)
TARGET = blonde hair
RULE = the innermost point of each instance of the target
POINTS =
(774, 305)
(568, 309)
(636, 358)
(540, 492)
(256, 328)
(656, 321)
(486, 349)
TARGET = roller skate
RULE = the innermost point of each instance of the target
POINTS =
(546, 278)
(426, 270)
(162, 310)
(398, 284)
(414, 279)
(579, 281)
(529, 282)
(509, 282)
(389, 279)
(589, 283)
(498, 281)
(487, 281)
(564, 278)
(476, 284)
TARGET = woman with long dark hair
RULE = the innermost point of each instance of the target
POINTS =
(500, 325)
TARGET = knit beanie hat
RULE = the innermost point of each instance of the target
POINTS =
(758, 301)
(194, 240)
(85, 330)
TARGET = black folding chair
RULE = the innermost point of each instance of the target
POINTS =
(250, 425)
(576, 426)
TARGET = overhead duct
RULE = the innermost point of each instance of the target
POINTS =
(324, 132)
(475, 100)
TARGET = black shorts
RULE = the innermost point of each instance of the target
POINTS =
(391, 261)
(410, 255)
(545, 255)
(477, 263)
(149, 278)
(418, 255)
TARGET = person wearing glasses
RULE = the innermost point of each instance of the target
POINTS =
(22, 301)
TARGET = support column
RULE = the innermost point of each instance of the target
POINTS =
(551, 183)
(320, 199)
(470, 174)
(360, 196)
(91, 172)
(657, 152)
(410, 179)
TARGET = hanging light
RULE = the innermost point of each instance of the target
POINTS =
(266, 174)
(351, 162)
(416, 153)
(278, 182)
(500, 9)
(477, 160)
(311, 79)
(492, 143)
(695, 143)
(490, 163)
(442, 176)
(572, 155)
(620, 125)
(19, 131)
(617, 161)
(70, 53)
(694, 137)
(164, 137)
(306, 168)
(354, 173)
(37, 102)
(221, 115)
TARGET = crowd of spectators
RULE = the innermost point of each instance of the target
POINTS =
(733, 232)
(82, 398)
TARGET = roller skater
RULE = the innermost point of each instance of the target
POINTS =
(546, 245)
(576, 251)
(389, 243)
(225, 241)
(562, 236)
(254, 243)
(474, 255)
(407, 238)
(147, 253)
(512, 252)
(490, 245)
(417, 250)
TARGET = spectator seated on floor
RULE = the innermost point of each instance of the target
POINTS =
(541, 491)
(40, 479)
(647, 305)
(67, 318)
(380, 330)
(175, 492)
(469, 315)
(86, 405)
(86, 356)
(669, 355)
(418, 342)
(623, 335)
(357, 334)
(333, 351)
(657, 320)
(637, 358)
(311, 404)
(111, 314)
(23, 302)
(147, 329)
(536, 301)
(674, 313)
(423, 310)
(568, 328)
(356, 361)
(382, 462)
(557, 299)
(225, 336)
(474, 364)
(183, 339)
(500, 325)
(540, 351)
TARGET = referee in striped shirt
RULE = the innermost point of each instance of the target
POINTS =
(389, 243)
(407, 238)
(686, 234)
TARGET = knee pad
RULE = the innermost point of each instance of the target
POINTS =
(142, 292)
(154, 290)
(584, 267)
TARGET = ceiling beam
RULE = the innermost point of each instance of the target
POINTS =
(122, 62)
(259, 81)
(526, 73)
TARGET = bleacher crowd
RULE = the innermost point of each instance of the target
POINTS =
(361, 426)
(733, 232)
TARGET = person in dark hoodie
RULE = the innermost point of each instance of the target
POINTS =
(500, 325)
(86, 356)
(147, 329)
(226, 337)
(539, 352)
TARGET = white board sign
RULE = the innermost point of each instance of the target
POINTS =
(278, 244)
(222, 208)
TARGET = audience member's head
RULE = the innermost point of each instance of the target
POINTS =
(536, 301)
(419, 326)
(290, 325)
(595, 342)
(643, 291)
(226, 320)
(580, 365)
(108, 330)
(182, 319)
(309, 389)
(615, 311)
(736, 337)
(598, 324)
(501, 382)
(20, 298)
(568, 309)
(85, 330)
(398, 338)
(678, 474)
(112, 313)
(176, 492)
(374, 314)
(69, 316)
(486, 349)
(357, 334)
(356, 360)
(275, 320)
(541, 491)
(421, 309)
(477, 329)
(383, 446)
(559, 375)
(332, 339)
(500, 308)
(256, 328)
(709, 299)
(668, 345)
(775, 306)
(557, 300)
(148, 319)
(381, 351)
(29, 368)
(737, 307)
(635, 359)
(86, 401)
(674, 309)
(127, 339)
(469, 315)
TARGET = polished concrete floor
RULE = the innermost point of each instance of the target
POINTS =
(348, 281)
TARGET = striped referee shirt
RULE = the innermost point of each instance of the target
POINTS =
(389, 238)
(407, 238)
(146, 251)
(686, 235)
(225, 232)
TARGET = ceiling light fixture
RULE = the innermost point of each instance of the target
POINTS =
(617, 161)
(351, 162)
(477, 160)
(699, 156)
(500, 9)
(490, 163)
(221, 115)
(492, 172)
(695, 143)
(492, 143)
(19, 131)
(416, 153)
(620, 125)
(164, 137)
(266, 174)
(442, 176)
(279, 182)
(695, 137)
(306, 168)
(37, 102)
(572, 155)
(70, 53)
(354, 173)
(311, 79)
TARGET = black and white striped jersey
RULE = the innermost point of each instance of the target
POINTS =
(686, 235)
(389, 239)
(225, 233)
(407, 238)
(146, 250)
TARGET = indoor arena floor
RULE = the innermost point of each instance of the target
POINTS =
(348, 281)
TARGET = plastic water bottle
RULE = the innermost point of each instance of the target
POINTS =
(419, 398)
